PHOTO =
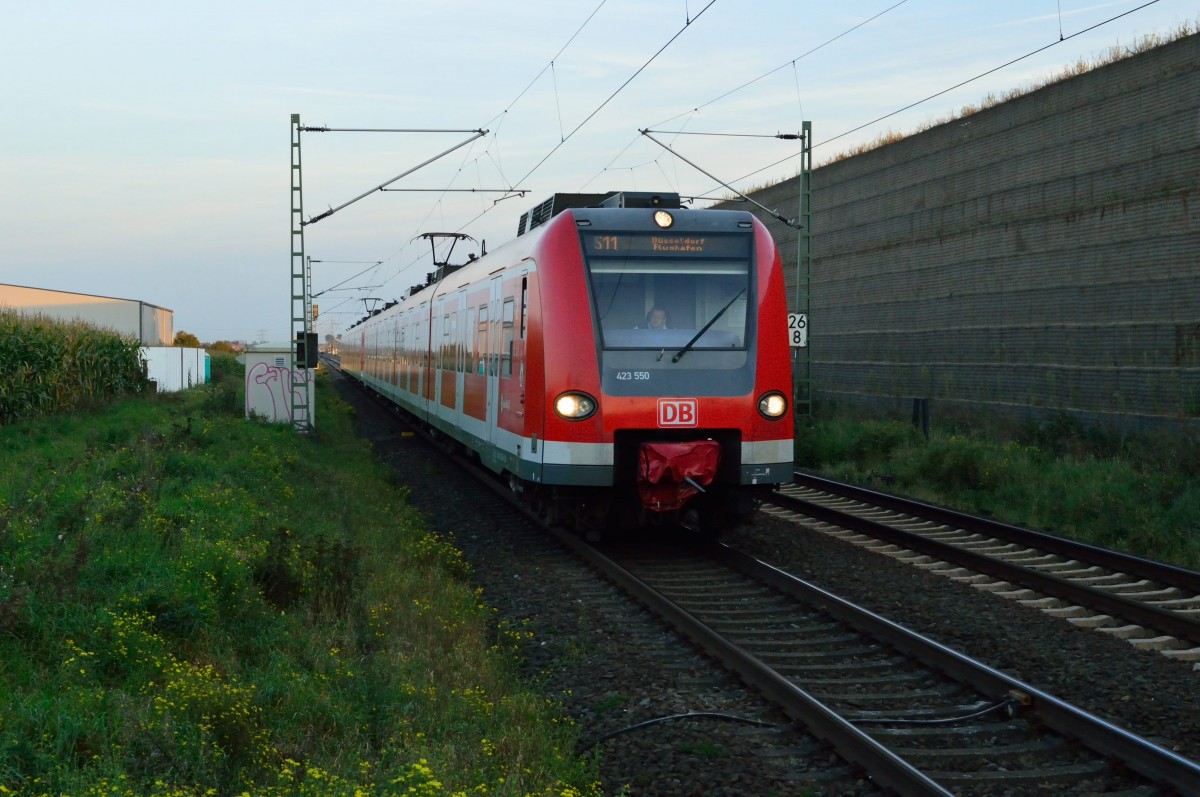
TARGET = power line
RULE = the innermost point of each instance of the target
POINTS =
(785, 65)
(620, 88)
(792, 63)
(549, 65)
(947, 90)
(687, 24)
(1018, 59)
(499, 119)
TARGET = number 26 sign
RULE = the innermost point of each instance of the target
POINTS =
(798, 330)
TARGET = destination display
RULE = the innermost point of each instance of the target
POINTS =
(607, 244)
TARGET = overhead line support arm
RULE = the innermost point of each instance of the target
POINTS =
(381, 186)
(773, 213)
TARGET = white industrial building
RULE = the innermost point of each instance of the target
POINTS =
(169, 367)
(150, 324)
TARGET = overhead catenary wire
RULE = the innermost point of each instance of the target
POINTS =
(587, 119)
(784, 65)
(748, 83)
(549, 65)
(935, 95)
(491, 154)
(499, 119)
(1018, 59)
(619, 89)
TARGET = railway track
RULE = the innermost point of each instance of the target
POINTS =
(920, 718)
(855, 681)
(1151, 605)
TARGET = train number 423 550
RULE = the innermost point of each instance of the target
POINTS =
(633, 376)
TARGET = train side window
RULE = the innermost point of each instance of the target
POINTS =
(445, 354)
(452, 347)
(506, 338)
(468, 342)
(481, 339)
(402, 351)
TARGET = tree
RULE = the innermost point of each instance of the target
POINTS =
(187, 340)
(222, 346)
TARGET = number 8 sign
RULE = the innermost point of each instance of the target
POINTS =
(798, 330)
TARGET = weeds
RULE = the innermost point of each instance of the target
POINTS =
(1136, 493)
(191, 604)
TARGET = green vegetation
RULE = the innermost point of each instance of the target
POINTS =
(191, 603)
(611, 703)
(1080, 66)
(48, 366)
(186, 340)
(1136, 493)
(705, 750)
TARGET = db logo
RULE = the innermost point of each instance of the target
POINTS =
(677, 412)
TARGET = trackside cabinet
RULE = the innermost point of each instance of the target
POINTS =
(269, 378)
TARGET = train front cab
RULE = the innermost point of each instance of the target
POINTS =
(690, 417)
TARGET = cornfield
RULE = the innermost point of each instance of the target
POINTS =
(48, 366)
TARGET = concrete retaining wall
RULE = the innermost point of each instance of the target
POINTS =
(1041, 255)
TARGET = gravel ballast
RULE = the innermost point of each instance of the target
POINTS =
(612, 666)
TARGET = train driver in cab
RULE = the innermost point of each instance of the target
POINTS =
(657, 318)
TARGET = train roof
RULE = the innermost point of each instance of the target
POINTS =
(536, 217)
(542, 212)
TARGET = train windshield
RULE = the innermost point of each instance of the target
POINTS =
(670, 290)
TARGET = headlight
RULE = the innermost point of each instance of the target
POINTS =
(574, 406)
(773, 405)
(663, 219)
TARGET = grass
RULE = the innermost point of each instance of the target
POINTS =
(1080, 66)
(191, 603)
(1139, 494)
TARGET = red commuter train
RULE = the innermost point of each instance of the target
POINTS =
(622, 361)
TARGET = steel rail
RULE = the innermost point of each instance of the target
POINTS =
(884, 766)
(1160, 572)
(1141, 755)
(1177, 625)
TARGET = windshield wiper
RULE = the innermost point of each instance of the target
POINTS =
(704, 329)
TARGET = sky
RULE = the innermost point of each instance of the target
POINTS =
(146, 150)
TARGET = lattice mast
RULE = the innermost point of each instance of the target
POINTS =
(301, 311)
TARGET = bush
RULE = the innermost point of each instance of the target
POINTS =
(1139, 493)
(956, 463)
(225, 390)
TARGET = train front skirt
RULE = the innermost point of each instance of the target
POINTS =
(671, 473)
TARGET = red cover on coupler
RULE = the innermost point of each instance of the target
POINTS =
(662, 468)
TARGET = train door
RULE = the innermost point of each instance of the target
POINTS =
(529, 427)
(428, 386)
(402, 356)
(464, 324)
(493, 362)
(421, 365)
(437, 328)
(394, 352)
